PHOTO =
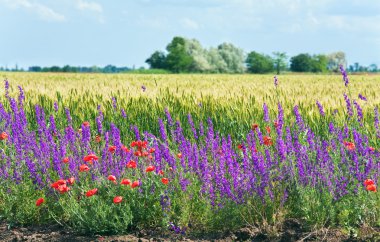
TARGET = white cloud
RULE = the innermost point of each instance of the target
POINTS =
(91, 6)
(43, 11)
(189, 24)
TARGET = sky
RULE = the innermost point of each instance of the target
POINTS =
(127, 32)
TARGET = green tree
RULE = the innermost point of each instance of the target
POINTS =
(279, 59)
(233, 57)
(301, 63)
(335, 60)
(157, 60)
(178, 60)
(259, 63)
(320, 63)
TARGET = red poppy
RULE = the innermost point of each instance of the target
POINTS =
(137, 153)
(371, 149)
(268, 129)
(240, 146)
(268, 141)
(161, 172)
(3, 136)
(125, 148)
(150, 169)
(71, 180)
(349, 145)
(65, 160)
(89, 158)
(371, 188)
(117, 199)
(84, 168)
(91, 192)
(135, 184)
(132, 164)
(58, 183)
(40, 201)
(98, 139)
(150, 157)
(145, 153)
(62, 189)
(254, 126)
(368, 182)
(165, 181)
(112, 149)
(112, 178)
(86, 124)
(133, 144)
(179, 155)
(125, 182)
(152, 150)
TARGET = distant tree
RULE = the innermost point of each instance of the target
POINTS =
(319, 63)
(109, 69)
(233, 57)
(178, 59)
(279, 59)
(373, 68)
(54, 69)
(259, 63)
(34, 69)
(335, 60)
(301, 63)
(157, 60)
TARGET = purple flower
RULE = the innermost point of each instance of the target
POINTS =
(143, 88)
(320, 107)
(344, 74)
(361, 97)
(266, 112)
(55, 106)
(275, 81)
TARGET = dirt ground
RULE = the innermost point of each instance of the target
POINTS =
(291, 231)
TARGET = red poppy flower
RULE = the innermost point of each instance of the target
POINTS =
(98, 139)
(240, 146)
(71, 180)
(371, 149)
(65, 160)
(165, 181)
(117, 199)
(112, 149)
(86, 124)
(371, 188)
(268, 129)
(179, 155)
(150, 169)
(275, 123)
(133, 144)
(112, 178)
(58, 183)
(368, 182)
(268, 141)
(137, 153)
(40, 201)
(89, 158)
(135, 184)
(125, 182)
(150, 157)
(124, 148)
(152, 150)
(132, 164)
(349, 145)
(145, 154)
(62, 189)
(254, 126)
(84, 168)
(91, 192)
(161, 172)
(3, 136)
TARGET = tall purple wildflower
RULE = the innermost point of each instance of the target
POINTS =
(348, 104)
(320, 107)
(344, 74)
(361, 97)
(114, 103)
(359, 111)
(275, 81)
(266, 112)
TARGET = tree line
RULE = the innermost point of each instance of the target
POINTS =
(188, 56)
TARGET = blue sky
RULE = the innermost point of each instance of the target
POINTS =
(126, 32)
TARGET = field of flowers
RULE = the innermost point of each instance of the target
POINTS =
(191, 154)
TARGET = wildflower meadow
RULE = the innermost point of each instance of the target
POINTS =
(192, 155)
